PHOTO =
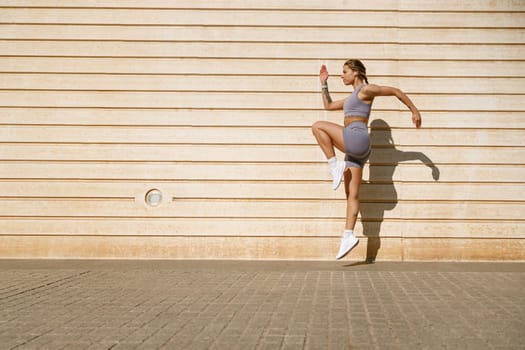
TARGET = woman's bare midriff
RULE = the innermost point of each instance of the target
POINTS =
(350, 119)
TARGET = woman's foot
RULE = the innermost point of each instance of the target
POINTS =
(348, 242)
(337, 171)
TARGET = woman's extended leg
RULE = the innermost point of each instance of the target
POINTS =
(352, 197)
(352, 184)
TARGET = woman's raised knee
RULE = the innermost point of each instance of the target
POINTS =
(317, 126)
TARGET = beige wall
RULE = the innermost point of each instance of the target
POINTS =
(211, 102)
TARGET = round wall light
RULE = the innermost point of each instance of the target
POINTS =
(153, 197)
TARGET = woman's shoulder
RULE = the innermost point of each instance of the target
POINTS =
(373, 90)
(370, 88)
(369, 91)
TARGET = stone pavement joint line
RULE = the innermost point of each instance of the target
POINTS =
(44, 285)
(260, 305)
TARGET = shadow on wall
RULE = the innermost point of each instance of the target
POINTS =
(381, 174)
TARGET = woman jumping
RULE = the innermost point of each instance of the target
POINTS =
(353, 138)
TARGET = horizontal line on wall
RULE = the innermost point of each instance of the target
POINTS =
(244, 26)
(116, 40)
(261, 199)
(244, 91)
(170, 180)
(265, 236)
(314, 111)
(269, 218)
(397, 43)
(254, 128)
(313, 59)
(7, 199)
(260, 92)
(250, 9)
(239, 126)
(251, 109)
(80, 161)
(310, 144)
(165, 217)
(208, 109)
(270, 58)
(210, 25)
(275, 219)
(157, 162)
(315, 200)
(224, 163)
(243, 126)
(125, 235)
(248, 109)
(273, 75)
(65, 198)
(255, 181)
(266, 145)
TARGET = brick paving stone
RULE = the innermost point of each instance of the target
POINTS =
(260, 305)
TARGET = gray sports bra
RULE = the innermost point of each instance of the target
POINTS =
(353, 106)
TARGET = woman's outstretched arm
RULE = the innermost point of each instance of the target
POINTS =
(372, 90)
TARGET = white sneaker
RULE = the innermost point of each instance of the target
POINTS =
(337, 174)
(348, 242)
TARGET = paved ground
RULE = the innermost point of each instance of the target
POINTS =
(260, 305)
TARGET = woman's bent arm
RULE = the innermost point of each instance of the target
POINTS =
(327, 100)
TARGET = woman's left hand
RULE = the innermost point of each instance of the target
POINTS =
(323, 74)
(416, 119)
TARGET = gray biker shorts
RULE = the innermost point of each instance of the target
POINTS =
(357, 144)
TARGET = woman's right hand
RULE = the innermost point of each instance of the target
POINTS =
(323, 74)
